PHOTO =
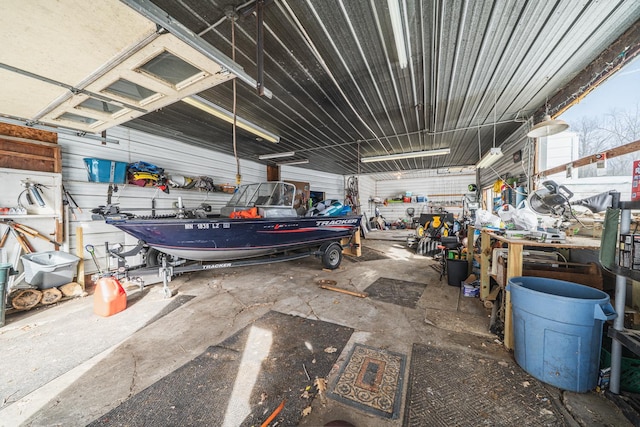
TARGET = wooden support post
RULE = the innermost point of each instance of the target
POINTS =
(80, 254)
(354, 248)
(485, 253)
(514, 269)
(470, 245)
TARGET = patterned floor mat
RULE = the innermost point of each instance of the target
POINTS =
(397, 292)
(371, 380)
(487, 392)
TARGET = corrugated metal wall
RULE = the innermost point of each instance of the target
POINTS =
(177, 159)
(441, 190)
(367, 191)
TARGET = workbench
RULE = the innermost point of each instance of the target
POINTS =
(514, 266)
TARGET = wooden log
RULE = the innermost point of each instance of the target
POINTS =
(26, 299)
(51, 296)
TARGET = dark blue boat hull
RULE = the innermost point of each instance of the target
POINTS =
(221, 239)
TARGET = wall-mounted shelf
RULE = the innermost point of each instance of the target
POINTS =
(29, 216)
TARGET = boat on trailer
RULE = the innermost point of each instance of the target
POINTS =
(258, 222)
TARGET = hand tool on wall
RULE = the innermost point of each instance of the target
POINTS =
(32, 191)
(22, 240)
(34, 233)
(5, 234)
(92, 252)
(22, 229)
(67, 199)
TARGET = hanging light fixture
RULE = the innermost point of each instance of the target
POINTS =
(548, 127)
(398, 33)
(490, 158)
(495, 152)
(293, 162)
(410, 155)
(276, 155)
(227, 116)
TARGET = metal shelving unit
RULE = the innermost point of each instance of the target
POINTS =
(619, 335)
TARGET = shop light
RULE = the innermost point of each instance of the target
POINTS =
(293, 162)
(490, 158)
(276, 155)
(227, 116)
(398, 34)
(410, 155)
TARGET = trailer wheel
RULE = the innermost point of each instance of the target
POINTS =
(154, 258)
(332, 256)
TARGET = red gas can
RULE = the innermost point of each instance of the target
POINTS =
(109, 297)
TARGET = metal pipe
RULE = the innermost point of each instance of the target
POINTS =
(618, 322)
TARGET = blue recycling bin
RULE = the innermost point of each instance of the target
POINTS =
(557, 327)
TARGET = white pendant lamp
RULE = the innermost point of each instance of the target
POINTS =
(548, 127)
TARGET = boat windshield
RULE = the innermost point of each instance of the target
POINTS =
(264, 194)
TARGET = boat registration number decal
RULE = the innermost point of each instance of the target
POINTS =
(206, 225)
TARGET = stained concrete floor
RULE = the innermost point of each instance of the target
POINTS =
(63, 365)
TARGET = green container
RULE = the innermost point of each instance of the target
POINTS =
(629, 367)
(5, 271)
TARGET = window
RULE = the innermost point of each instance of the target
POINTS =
(171, 69)
(99, 106)
(129, 90)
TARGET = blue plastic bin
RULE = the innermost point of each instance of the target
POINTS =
(101, 170)
(557, 326)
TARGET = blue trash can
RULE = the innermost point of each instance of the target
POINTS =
(557, 326)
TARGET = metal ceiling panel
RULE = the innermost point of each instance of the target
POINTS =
(476, 71)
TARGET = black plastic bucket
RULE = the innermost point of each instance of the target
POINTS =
(456, 271)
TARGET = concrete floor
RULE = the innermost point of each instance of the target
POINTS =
(63, 365)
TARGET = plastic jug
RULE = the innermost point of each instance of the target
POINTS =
(109, 297)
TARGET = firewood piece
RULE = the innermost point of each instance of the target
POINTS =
(72, 289)
(51, 296)
(26, 299)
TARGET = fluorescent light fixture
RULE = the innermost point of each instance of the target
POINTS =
(547, 127)
(490, 158)
(227, 116)
(293, 162)
(410, 155)
(398, 33)
(276, 155)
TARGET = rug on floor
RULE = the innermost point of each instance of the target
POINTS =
(371, 380)
(458, 387)
(242, 380)
(399, 292)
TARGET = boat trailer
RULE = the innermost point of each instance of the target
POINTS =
(329, 252)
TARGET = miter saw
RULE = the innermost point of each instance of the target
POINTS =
(553, 199)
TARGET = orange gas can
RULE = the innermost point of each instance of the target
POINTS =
(109, 297)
